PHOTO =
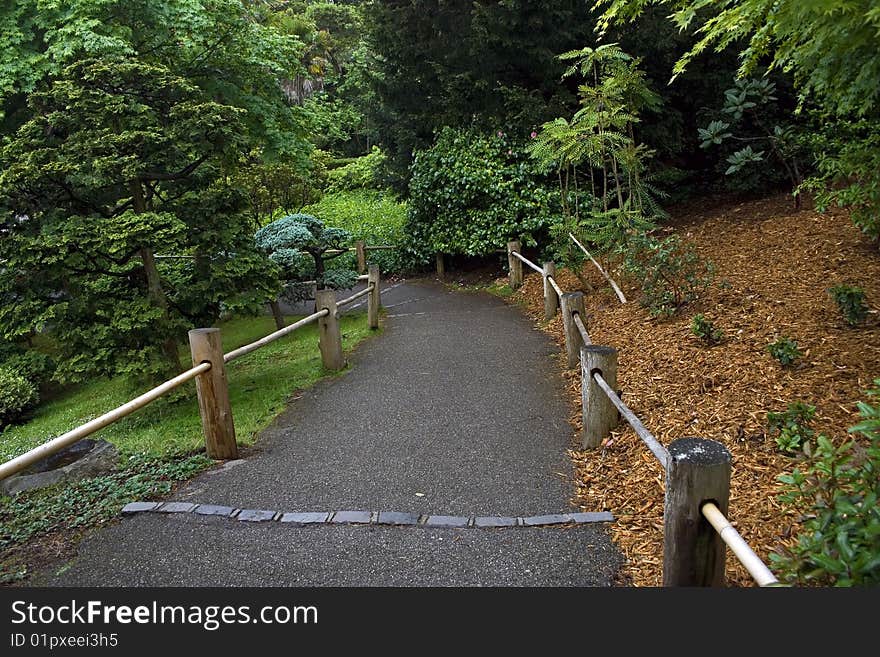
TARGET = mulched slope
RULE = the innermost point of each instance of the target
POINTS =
(777, 264)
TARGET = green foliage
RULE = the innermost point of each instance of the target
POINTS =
(17, 395)
(298, 244)
(669, 270)
(785, 350)
(71, 506)
(34, 365)
(487, 65)
(471, 193)
(360, 173)
(596, 151)
(706, 330)
(753, 99)
(791, 428)
(123, 159)
(377, 218)
(836, 489)
(851, 302)
(847, 175)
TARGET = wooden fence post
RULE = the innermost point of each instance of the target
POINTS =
(361, 251)
(329, 337)
(374, 300)
(441, 268)
(693, 552)
(551, 299)
(213, 393)
(600, 416)
(572, 302)
(515, 264)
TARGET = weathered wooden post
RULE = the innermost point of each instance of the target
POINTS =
(551, 299)
(374, 300)
(441, 268)
(361, 250)
(213, 393)
(329, 337)
(572, 302)
(515, 265)
(693, 552)
(599, 414)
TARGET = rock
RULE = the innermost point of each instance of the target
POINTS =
(81, 460)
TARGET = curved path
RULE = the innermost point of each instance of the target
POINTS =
(455, 410)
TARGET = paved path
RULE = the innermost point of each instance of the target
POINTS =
(456, 409)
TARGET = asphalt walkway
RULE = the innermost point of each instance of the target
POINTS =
(456, 409)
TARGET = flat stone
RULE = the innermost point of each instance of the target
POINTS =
(494, 521)
(397, 518)
(92, 458)
(139, 507)
(176, 507)
(593, 516)
(255, 515)
(306, 518)
(352, 518)
(552, 519)
(447, 521)
(214, 510)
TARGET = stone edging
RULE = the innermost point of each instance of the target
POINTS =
(388, 518)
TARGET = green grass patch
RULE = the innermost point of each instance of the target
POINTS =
(259, 386)
(160, 445)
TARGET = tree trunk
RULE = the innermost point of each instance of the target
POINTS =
(277, 314)
(154, 284)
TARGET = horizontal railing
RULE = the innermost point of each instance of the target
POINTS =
(695, 527)
(209, 373)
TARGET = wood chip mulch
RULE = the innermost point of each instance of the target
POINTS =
(774, 265)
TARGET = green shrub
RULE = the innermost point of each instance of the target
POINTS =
(359, 173)
(669, 270)
(785, 350)
(792, 426)
(706, 330)
(471, 193)
(377, 218)
(17, 396)
(836, 490)
(33, 365)
(851, 302)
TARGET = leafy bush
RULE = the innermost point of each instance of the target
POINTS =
(471, 193)
(836, 489)
(377, 218)
(17, 396)
(706, 330)
(33, 365)
(358, 173)
(792, 426)
(851, 302)
(785, 350)
(669, 270)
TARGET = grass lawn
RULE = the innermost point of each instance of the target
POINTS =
(162, 444)
(259, 385)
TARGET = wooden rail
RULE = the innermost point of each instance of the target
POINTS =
(696, 529)
(27, 459)
(210, 375)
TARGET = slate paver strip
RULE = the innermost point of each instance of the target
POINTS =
(176, 507)
(214, 510)
(256, 515)
(351, 518)
(139, 507)
(593, 516)
(447, 521)
(494, 521)
(552, 519)
(397, 518)
(310, 518)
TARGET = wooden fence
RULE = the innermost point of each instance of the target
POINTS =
(209, 372)
(695, 526)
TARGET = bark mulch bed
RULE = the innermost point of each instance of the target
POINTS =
(774, 265)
